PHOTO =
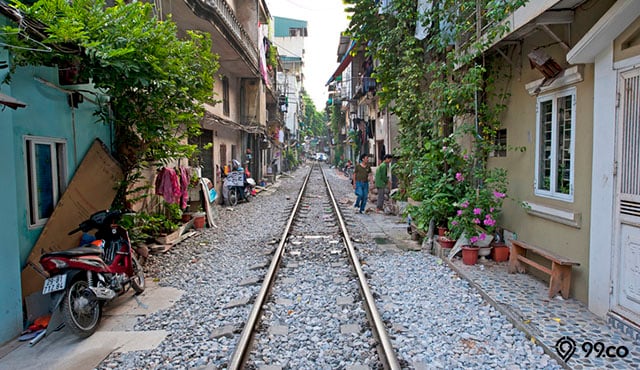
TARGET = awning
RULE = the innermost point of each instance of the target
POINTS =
(10, 102)
(346, 60)
(210, 117)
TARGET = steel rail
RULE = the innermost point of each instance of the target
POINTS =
(389, 355)
(242, 347)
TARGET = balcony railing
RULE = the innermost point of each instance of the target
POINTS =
(474, 22)
(231, 23)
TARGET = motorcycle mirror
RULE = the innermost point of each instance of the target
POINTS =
(74, 231)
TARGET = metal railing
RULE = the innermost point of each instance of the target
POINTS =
(227, 15)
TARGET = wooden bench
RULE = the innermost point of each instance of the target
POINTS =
(560, 271)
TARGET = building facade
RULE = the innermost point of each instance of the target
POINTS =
(235, 127)
(289, 36)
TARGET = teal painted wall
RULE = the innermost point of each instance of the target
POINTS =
(10, 263)
(48, 114)
(282, 25)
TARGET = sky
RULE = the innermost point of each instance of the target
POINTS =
(325, 20)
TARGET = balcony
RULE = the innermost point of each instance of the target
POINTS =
(237, 50)
(536, 14)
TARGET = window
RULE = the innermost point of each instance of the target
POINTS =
(554, 150)
(46, 174)
(225, 96)
(500, 143)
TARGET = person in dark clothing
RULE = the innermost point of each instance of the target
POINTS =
(361, 178)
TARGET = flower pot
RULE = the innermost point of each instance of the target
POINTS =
(186, 217)
(500, 252)
(446, 242)
(199, 220)
(442, 230)
(469, 255)
(483, 252)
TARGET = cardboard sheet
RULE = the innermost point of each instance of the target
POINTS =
(210, 196)
(92, 188)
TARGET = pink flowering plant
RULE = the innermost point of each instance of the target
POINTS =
(477, 212)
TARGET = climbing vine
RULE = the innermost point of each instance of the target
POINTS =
(433, 76)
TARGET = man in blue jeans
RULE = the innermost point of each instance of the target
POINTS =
(361, 177)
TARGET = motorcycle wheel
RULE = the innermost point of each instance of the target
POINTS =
(233, 197)
(137, 280)
(81, 315)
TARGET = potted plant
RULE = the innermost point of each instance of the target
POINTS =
(445, 241)
(476, 214)
(436, 182)
(499, 251)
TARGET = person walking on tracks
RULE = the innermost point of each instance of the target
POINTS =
(382, 181)
(361, 177)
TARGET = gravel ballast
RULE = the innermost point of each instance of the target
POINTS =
(436, 320)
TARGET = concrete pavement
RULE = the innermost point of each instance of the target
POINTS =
(62, 350)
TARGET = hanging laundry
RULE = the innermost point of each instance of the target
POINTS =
(185, 178)
(168, 185)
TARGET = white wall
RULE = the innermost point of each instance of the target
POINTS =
(603, 183)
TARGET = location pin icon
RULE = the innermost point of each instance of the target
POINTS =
(565, 347)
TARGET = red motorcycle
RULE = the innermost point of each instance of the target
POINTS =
(84, 278)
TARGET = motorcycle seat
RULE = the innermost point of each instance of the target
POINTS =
(79, 251)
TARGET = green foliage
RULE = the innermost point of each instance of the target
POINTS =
(290, 155)
(313, 119)
(144, 227)
(272, 57)
(337, 118)
(434, 182)
(441, 89)
(155, 81)
(477, 211)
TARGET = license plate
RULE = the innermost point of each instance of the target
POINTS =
(53, 284)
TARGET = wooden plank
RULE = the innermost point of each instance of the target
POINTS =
(546, 253)
(560, 280)
(534, 264)
(92, 189)
(162, 248)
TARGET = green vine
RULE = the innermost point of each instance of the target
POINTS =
(155, 81)
(440, 88)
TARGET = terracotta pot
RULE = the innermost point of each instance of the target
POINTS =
(469, 255)
(442, 230)
(500, 252)
(446, 242)
(186, 217)
(199, 220)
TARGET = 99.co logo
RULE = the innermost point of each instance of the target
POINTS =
(566, 348)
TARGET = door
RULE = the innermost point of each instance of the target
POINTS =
(204, 156)
(626, 283)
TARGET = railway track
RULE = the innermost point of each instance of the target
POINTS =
(314, 265)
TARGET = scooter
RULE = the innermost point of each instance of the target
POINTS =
(238, 186)
(84, 278)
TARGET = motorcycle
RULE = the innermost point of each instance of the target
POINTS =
(238, 186)
(84, 278)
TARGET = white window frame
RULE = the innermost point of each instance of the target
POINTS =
(58, 173)
(552, 192)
